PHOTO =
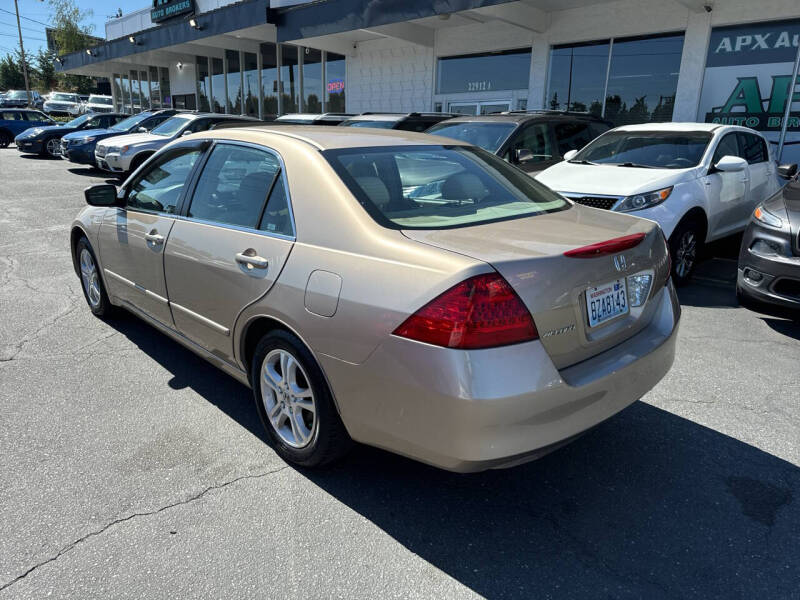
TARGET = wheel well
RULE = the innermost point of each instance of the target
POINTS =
(699, 215)
(76, 234)
(139, 159)
(254, 332)
(7, 132)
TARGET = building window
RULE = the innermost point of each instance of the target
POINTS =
(125, 87)
(166, 97)
(269, 79)
(234, 82)
(289, 80)
(155, 87)
(217, 86)
(508, 70)
(334, 84)
(637, 86)
(203, 83)
(136, 92)
(119, 100)
(144, 79)
(250, 81)
(312, 80)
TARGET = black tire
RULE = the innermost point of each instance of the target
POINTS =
(5, 139)
(685, 245)
(97, 299)
(329, 440)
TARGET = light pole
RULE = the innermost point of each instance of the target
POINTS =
(22, 53)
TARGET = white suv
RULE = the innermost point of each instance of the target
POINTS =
(62, 103)
(99, 104)
(698, 181)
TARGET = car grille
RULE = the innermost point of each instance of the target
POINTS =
(100, 151)
(604, 202)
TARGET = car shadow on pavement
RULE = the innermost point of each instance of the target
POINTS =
(647, 504)
(88, 172)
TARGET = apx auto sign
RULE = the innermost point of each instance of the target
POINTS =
(166, 9)
(748, 76)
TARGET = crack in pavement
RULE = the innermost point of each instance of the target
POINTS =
(106, 527)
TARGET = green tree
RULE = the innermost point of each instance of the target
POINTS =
(11, 76)
(46, 76)
(71, 34)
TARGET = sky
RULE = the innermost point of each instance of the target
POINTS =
(34, 14)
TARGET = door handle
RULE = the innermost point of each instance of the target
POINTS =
(251, 259)
(154, 237)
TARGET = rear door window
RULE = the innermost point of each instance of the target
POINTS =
(233, 187)
(10, 115)
(728, 146)
(572, 136)
(535, 138)
(753, 148)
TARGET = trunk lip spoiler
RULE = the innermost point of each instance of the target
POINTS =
(612, 246)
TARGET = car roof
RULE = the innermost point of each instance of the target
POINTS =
(331, 138)
(378, 116)
(524, 116)
(671, 127)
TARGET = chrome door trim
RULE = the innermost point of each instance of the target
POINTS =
(136, 286)
(280, 236)
(205, 321)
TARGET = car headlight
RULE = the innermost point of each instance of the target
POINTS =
(764, 216)
(641, 201)
(86, 140)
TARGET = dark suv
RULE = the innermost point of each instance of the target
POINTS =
(405, 121)
(532, 140)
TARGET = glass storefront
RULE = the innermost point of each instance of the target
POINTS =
(155, 87)
(119, 102)
(290, 80)
(250, 81)
(217, 86)
(203, 83)
(144, 82)
(312, 80)
(334, 85)
(234, 82)
(487, 72)
(269, 79)
(637, 86)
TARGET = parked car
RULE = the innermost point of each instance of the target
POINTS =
(99, 104)
(15, 121)
(479, 326)
(62, 103)
(314, 118)
(532, 140)
(19, 99)
(699, 181)
(79, 146)
(405, 121)
(47, 140)
(125, 153)
(769, 258)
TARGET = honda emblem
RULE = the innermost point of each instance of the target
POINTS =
(619, 262)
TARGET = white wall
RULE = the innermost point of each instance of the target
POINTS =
(139, 20)
(389, 75)
(182, 81)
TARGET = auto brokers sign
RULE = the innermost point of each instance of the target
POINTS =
(747, 78)
(166, 9)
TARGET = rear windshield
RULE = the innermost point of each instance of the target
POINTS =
(64, 97)
(646, 149)
(439, 187)
(362, 123)
(489, 136)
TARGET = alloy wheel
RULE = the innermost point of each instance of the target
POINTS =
(686, 254)
(288, 399)
(53, 147)
(90, 279)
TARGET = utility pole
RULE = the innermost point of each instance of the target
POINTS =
(22, 53)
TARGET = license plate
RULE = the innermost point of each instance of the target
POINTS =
(606, 301)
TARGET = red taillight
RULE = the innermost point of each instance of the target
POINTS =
(608, 247)
(481, 312)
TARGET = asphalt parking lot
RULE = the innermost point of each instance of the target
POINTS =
(129, 468)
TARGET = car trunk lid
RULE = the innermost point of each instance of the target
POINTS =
(529, 254)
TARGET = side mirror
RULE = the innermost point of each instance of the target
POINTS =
(141, 130)
(570, 154)
(787, 171)
(187, 132)
(730, 164)
(103, 194)
(523, 155)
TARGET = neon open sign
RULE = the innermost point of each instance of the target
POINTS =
(336, 86)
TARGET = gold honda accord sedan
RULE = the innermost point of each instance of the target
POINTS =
(398, 289)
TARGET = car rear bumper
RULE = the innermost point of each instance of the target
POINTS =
(473, 410)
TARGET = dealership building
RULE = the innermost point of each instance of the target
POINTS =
(631, 61)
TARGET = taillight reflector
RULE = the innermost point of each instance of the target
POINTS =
(608, 247)
(480, 312)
